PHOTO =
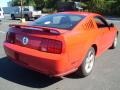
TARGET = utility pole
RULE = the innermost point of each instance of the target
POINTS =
(22, 18)
(12, 4)
(21, 2)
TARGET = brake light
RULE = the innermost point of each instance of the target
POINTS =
(10, 37)
(51, 46)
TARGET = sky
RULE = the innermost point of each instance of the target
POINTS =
(3, 3)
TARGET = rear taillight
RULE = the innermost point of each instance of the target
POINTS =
(51, 46)
(10, 37)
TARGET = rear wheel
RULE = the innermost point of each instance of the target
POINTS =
(12, 17)
(26, 17)
(36, 17)
(86, 68)
(114, 45)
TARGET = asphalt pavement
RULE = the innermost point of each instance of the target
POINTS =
(105, 76)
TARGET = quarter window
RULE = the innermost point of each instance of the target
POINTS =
(101, 23)
(26, 9)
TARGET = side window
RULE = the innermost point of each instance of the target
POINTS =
(101, 23)
(16, 10)
(26, 9)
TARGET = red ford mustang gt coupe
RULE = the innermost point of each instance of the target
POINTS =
(61, 43)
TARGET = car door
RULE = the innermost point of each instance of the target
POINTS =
(104, 30)
(17, 12)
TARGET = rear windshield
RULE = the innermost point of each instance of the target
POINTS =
(60, 21)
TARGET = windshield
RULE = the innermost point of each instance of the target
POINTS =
(60, 21)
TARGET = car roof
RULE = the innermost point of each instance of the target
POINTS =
(80, 13)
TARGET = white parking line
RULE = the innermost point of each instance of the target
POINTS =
(2, 32)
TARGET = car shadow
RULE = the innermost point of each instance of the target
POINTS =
(74, 75)
(14, 73)
(15, 19)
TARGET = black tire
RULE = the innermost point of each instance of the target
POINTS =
(82, 70)
(12, 17)
(114, 45)
(26, 17)
(36, 18)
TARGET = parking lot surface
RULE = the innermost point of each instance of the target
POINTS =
(105, 76)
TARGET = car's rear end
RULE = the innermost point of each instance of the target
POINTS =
(36, 14)
(42, 45)
(40, 49)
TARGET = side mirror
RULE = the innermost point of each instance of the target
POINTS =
(111, 25)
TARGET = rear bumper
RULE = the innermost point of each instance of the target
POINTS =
(46, 63)
(36, 16)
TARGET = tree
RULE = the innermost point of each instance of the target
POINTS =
(95, 5)
(99, 6)
(39, 4)
(50, 3)
(25, 2)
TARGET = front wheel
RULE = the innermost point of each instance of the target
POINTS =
(86, 68)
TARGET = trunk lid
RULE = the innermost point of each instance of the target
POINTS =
(33, 36)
